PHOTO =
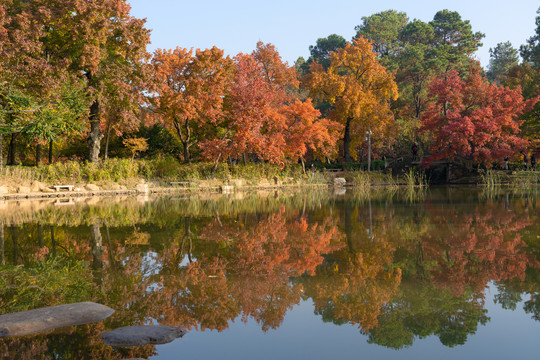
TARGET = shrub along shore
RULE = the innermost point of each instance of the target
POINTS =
(162, 175)
(165, 175)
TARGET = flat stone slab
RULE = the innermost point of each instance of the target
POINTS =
(338, 182)
(141, 335)
(32, 321)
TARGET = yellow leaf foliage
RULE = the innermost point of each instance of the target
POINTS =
(358, 88)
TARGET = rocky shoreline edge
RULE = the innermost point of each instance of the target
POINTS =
(44, 191)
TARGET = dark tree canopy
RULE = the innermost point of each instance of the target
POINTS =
(383, 30)
(453, 38)
(530, 52)
(321, 52)
(503, 58)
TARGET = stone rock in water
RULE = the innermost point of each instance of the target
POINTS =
(141, 335)
(23, 190)
(32, 321)
(142, 188)
(227, 189)
(339, 182)
(91, 187)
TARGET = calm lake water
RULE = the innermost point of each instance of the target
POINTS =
(448, 273)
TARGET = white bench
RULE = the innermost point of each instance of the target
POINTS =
(63, 187)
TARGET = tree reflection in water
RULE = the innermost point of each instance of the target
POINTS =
(397, 270)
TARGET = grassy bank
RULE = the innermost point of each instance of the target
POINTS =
(161, 172)
(514, 179)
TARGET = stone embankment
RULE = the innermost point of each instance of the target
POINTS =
(39, 190)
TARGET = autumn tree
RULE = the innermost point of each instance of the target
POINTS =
(248, 123)
(471, 119)
(527, 76)
(264, 115)
(191, 89)
(359, 89)
(101, 44)
(136, 145)
(48, 122)
(38, 97)
(305, 130)
(417, 51)
(3, 30)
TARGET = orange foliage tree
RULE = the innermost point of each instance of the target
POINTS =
(101, 44)
(358, 89)
(265, 117)
(191, 88)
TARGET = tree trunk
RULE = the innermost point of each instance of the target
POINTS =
(51, 151)
(244, 156)
(53, 242)
(107, 137)
(187, 234)
(14, 238)
(303, 164)
(112, 259)
(2, 255)
(95, 135)
(38, 154)
(348, 226)
(347, 141)
(97, 241)
(187, 159)
(184, 134)
(41, 240)
(369, 152)
(1, 152)
(417, 106)
(11, 153)
(97, 252)
(214, 168)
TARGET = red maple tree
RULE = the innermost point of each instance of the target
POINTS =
(265, 116)
(471, 119)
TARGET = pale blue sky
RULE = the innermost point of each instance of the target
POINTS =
(237, 25)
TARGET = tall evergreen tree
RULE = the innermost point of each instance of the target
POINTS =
(502, 58)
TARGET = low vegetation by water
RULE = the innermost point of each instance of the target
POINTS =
(164, 170)
(520, 179)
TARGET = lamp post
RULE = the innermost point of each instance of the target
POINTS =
(368, 134)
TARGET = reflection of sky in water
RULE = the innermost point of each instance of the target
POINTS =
(149, 265)
(303, 335)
